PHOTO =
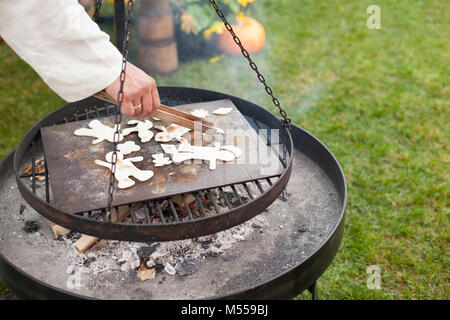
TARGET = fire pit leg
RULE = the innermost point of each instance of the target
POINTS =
(314, 291)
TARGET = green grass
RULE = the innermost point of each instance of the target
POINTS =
(379, 99)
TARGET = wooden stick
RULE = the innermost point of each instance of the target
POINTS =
(171, 115)
(102, 95)
(183, 114)
(183, 119)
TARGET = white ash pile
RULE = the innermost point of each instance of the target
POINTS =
(181, 258)
(173, 258)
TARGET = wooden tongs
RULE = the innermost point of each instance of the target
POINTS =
(172, 115)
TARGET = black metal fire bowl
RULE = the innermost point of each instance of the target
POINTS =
(300, 240)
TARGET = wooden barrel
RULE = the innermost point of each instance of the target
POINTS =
(157, 45)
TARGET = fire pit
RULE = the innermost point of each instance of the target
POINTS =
(276, 254)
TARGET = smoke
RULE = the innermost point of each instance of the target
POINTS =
(202, 65)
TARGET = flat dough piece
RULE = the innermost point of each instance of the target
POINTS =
(222, 111)
(237, 151)
(142, 128)
(160, 160)
(128, 147)
(211, 154)
(125, 169)
(201, 113)
(169, 148)
(99, 131)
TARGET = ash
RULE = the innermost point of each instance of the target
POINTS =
(173, 258)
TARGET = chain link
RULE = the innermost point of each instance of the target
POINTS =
(98, 5)
(286, 120)
(120, 95)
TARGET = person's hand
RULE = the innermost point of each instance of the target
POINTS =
(140, 93)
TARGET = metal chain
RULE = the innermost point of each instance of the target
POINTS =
(120, 95)
(286, 120)
(98, 5)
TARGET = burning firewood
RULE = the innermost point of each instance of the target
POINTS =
(178, 200)
(58, 230)
(39, 168)
(86, 241)
(145, 273)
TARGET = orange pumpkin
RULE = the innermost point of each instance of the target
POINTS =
(250, 32)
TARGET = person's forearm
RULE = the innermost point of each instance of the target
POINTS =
(62, 44)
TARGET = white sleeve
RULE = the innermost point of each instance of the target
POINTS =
(59, 40)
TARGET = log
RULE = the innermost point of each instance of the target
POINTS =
(58, 230)
(87, 241)
(157, 46)
(178, 200)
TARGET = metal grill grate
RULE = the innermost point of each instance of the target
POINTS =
(182, 221)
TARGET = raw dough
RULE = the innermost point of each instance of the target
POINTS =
(143, 129)
(124, 169)
(160, 160)
(222, 111)
(100, 131)
(237, 151)
(211, 154)
(128, 147)
(169, 148)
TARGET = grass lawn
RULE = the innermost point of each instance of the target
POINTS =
(379, 99)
